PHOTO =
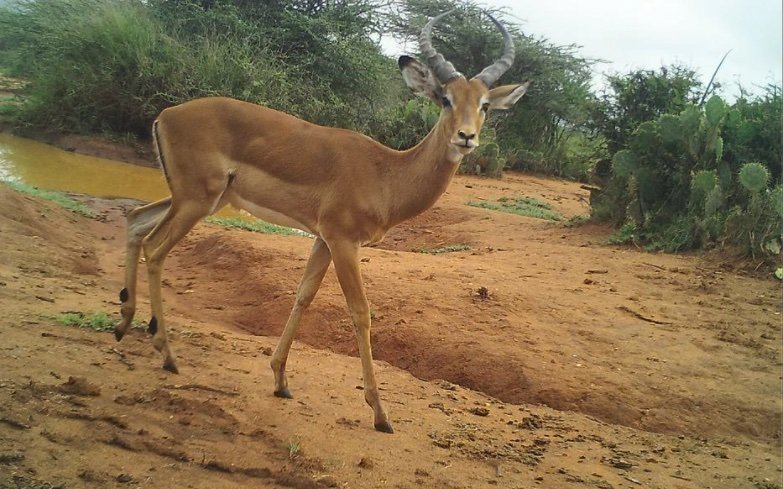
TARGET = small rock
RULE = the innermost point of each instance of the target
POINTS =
(366, 463)
(124, 478)
(619, 463)
(479, 411)
(328, 481)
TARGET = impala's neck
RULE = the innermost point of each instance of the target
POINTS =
(422, 174)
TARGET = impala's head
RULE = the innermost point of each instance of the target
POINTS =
(464, 102)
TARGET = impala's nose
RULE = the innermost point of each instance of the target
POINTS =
(466, 139)
(465, 136)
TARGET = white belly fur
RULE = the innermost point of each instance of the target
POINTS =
(268, 215)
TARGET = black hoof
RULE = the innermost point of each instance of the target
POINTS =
(152, 328)
(118, 334)
(284, 393)
(171, 367)
(123, 295)
(384, 427)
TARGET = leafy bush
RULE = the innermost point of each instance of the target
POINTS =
(113, 65)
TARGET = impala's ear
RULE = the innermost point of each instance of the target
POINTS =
(506, 96)
(420, 79)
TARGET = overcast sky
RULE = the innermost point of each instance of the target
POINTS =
(632, 34)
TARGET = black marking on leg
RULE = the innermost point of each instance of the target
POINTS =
(153, 326)
(123, 295)
(118, 334)
(169, 365)
(284, 393)
(384, 427)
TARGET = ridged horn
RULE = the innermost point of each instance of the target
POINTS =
(444, 71)
(490, 74)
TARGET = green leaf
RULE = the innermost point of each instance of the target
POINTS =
(703, 181)
(754, 176)
(690, 119)
(671, 129)
(715, 109)
(779, 273)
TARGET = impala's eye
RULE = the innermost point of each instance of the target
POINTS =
(445, 102)
(485, 107)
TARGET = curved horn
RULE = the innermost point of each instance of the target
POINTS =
(444, 71)
(490, 74)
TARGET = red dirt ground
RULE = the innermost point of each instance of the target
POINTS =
(580, 365)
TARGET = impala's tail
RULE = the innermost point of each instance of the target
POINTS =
(158, 149)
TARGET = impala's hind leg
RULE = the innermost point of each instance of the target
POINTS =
(168, 232)
(320, 258)
(140, 222)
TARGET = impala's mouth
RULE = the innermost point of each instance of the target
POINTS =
(465, 147)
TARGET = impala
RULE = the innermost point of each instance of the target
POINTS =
(344, 188)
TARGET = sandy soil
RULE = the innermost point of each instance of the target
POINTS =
(539, 358)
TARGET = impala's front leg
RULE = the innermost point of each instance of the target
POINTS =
(346, 263)
(320, 257)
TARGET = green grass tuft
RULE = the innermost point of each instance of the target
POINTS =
(625, 235)
(57, 197)
(523, 206)
(445, 249)
(97, 321)
(256, 226)
(577, 221)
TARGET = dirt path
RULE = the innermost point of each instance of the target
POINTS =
(538, 358)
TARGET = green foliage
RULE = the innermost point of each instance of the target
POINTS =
(715, 110)
(625, 235)
(754, 177)
(523, 206)
(58, 198)
(112, 65)
(254, 225)
(641, 96)
(97, 321)
(403, 125)
(673, 188)
(577, 221)
(752, 131)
